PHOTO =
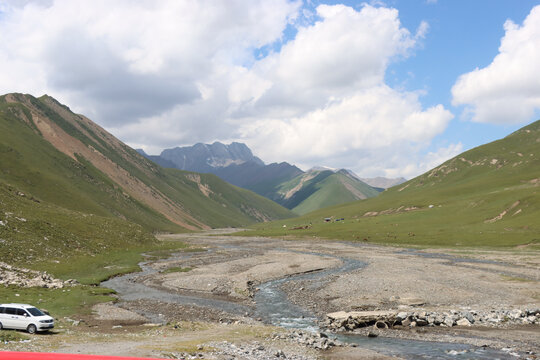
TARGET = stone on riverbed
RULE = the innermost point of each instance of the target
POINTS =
(345, 321)
(356, 319)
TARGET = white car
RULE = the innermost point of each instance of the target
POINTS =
(24, 317)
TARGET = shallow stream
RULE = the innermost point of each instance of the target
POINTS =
(273, 306)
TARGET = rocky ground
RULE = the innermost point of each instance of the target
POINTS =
(490, 297)
(17, 276)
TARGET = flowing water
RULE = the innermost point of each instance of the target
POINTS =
(273, 306)
(129, 289)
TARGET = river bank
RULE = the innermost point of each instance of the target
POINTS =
(225, 285)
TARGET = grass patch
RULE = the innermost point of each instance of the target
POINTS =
(166, 253)
(515, 278)
(243, 292)
(92, 270)
(89, 271)
(211, 333)
(9, 336)
(176, 269)
(59, 302)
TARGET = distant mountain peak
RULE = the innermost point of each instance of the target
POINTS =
(142, 152)
(322, 168)
(207, 157)
(382, 182)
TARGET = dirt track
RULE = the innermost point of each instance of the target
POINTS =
(391, 278)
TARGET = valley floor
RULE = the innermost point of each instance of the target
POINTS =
(159, 313)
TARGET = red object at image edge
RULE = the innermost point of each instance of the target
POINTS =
(16, 355)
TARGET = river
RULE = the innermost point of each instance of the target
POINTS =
(273, 307)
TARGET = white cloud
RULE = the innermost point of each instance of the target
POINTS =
(130, 59)
(507, 91)
(370, 127)
(328, 94)
(345, 50)
(175, 72)
(426, 162)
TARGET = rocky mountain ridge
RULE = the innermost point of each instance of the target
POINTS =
(282, 182)
(205, 158)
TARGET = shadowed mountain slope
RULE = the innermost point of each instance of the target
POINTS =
(281, 182)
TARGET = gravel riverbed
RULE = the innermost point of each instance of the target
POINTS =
(497, 292)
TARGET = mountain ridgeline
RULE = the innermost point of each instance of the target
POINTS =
(283, 183)
(204, 158)
(487, 196)
(57, 165)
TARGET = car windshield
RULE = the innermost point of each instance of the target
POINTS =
(35, 312)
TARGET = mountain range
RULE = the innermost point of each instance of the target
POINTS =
(67, 186)
(57, 165)
(283, 183)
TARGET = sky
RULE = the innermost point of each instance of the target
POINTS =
(384, 87)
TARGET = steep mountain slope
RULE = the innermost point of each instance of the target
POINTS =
(67, 160)
(318, 189)
(264, 180)
(487, 196)
(157, 159)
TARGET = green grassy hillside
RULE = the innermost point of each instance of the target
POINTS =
(42, 236)
(70, 190)
(65, 159)
(69, 245)
(319, 189)
(488, 196)
(78, 203)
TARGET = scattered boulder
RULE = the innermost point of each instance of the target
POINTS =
(317, 341)
(402, 316)
(253, 350)
(448, 321)
(463, 322)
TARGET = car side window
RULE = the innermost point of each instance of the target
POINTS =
(2, 309)
(11, 311)
(22, 312)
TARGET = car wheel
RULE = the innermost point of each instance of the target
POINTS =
(31, 329)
